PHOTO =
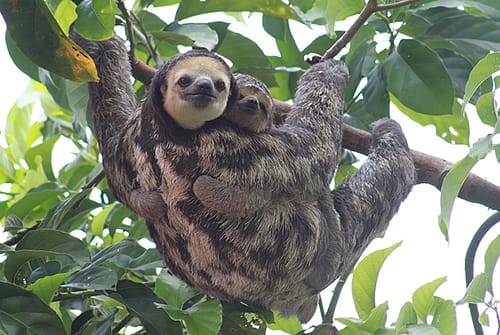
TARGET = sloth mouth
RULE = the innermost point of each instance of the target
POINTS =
(200, 100)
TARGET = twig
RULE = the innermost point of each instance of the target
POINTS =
(121, 324)
(370, 8)
(96, 180)
(19, 235)
(330, 312)
(128, 26)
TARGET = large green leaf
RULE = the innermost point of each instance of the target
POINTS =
(96, 19)
(476, 290)
(407, 316)
(140, 302)
(374, 321)
(444, 317)
(418, 79)
(423, 330)
(247, 57)
(45, 193)
(173, 290)
(16, 130)
(22, 312)
(469, 34)
(488, 7)
(43, 151)
(481, 71)
(46, 287)
(35, 31)
(57, 215)
(277, 8)
(197, 34)
(92, 278)
(455, 178)
(490, 260)
(424, 297)
(364, 280)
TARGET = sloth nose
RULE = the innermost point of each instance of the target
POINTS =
(204, 85)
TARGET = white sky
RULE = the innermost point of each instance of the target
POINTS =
(424, 254)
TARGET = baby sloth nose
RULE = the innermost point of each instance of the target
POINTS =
(204, 85)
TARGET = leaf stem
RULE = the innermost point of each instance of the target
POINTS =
(328, 318)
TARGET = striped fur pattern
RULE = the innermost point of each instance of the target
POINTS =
(293, 243)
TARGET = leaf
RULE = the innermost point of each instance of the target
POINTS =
(128, 247)
(44, 193)
(330, 11)
(173, 290)
(55, 241)
(188, 8)
(364, 280)
(58, 214)
(203, 318)
(16, 261)
(422, 330)
(93, 277)
(485, 107)
(453, 129)
(96, 19)
(418, 79)
(44, 151)
(16, 130)
(374, 321)
(445, 318)
(491, 257)
(455, 178)
(240, 319)
(140, 302)
(37, 34)
(423, 298)
(46, 287)
(22, 312)
(488, 7)
(476, 290)
(458, 68)
(247, 57)
(13, 223)
(197, 34)
(481, 71)
(290, 325)
(407, 316)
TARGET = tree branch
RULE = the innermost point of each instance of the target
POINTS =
(370, 8)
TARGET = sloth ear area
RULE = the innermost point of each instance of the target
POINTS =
(234, 93)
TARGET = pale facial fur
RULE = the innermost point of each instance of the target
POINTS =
(182, 107)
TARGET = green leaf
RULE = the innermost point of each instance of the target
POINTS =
(277, 8)
(173, 290)
(481, 71)
(374, 321)
(140, 302)
(407, 316)
(55, 241)
(485, 107)
(65, 14)
(471, 35)
(127, 247)
(17, 260)
(290, 325)
(172, 38)
(240, 319)
(364, 280)
(476, 290)
(453, 129)
(13, 224)
(45, 193)
(44, 151)
(445, 318)
(59, 214)
(484, 319)
(488, 7)
(455, 178)
(490, 260)
(93, 277)
(16, 130)
(422, 330)
(458, 68)
(247, 57)
(424, 297)
(418, 79)
(203, 318)
(46, 287)
(22, 312)
(96, 19)
(197, 34)
(37, 34)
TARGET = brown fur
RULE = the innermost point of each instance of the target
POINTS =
(294, 243)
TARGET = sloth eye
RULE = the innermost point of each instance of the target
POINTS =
(184, 81)
(220, 85)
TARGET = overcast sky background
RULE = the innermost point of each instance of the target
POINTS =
(424, 255)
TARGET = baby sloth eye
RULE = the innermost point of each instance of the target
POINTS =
(220, 85)
(184, 81)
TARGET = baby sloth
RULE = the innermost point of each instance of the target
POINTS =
(254, 109)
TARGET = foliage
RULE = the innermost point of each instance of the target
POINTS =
(81, 263)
